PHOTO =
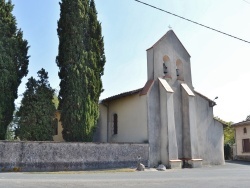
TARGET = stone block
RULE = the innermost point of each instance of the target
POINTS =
(175, 164)
(196, 163)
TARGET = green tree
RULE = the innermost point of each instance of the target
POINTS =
(81, 62)
(229, 134)
(229, 139)
(37, 111)
(10, 133)
(228, 131)
(248, 118)
(55, 101)
(13, 63)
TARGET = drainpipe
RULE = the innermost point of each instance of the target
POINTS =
(107, 106)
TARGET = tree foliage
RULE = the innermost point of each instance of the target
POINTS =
(37, 111)
(10, 133)
(229, 135)
(228, 132)
(13, 63)
(81, 62)
(55, 101)
(229, 139)
(248, 118)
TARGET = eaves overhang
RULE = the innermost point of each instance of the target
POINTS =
(242, 123)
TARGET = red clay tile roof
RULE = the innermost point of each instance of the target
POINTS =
(142, 91)
(125, 94)
(147, 87)
(241, 123)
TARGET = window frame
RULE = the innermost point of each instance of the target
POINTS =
(244, 130)
(246, 145)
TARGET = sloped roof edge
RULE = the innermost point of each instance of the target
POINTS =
(241, 123)
(125, 94)
(221, 122)
(203, 96)
(142, 91)
(147, 87)
(169, 31)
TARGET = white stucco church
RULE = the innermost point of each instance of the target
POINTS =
(167, 113)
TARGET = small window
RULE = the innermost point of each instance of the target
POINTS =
(115, 131)
(245, 130)
(246, 145)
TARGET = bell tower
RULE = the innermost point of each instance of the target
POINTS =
(168, 59)
(173, 119)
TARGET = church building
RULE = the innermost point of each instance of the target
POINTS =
(167, 113)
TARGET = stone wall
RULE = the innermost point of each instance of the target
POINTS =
(58, 156)
(243, 157)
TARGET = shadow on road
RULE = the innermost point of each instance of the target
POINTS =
(239, 162)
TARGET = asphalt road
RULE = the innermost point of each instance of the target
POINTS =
(231, 175)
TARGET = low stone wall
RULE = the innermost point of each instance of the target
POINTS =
(58, 156)
(243, 157)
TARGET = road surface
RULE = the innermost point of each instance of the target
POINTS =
(230, 175)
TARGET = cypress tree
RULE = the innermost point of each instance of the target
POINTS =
(37, 110)
(81, 62)
(13, 63)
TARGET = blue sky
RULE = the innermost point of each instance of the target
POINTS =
(220, 64)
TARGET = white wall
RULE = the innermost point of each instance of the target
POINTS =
(210, 134)
(132, 119)
(101, 129)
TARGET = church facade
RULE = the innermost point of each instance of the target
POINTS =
(167, 113)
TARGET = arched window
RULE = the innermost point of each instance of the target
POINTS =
(179, 70)
(245, 130)
(166, 66)
(115, 128)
